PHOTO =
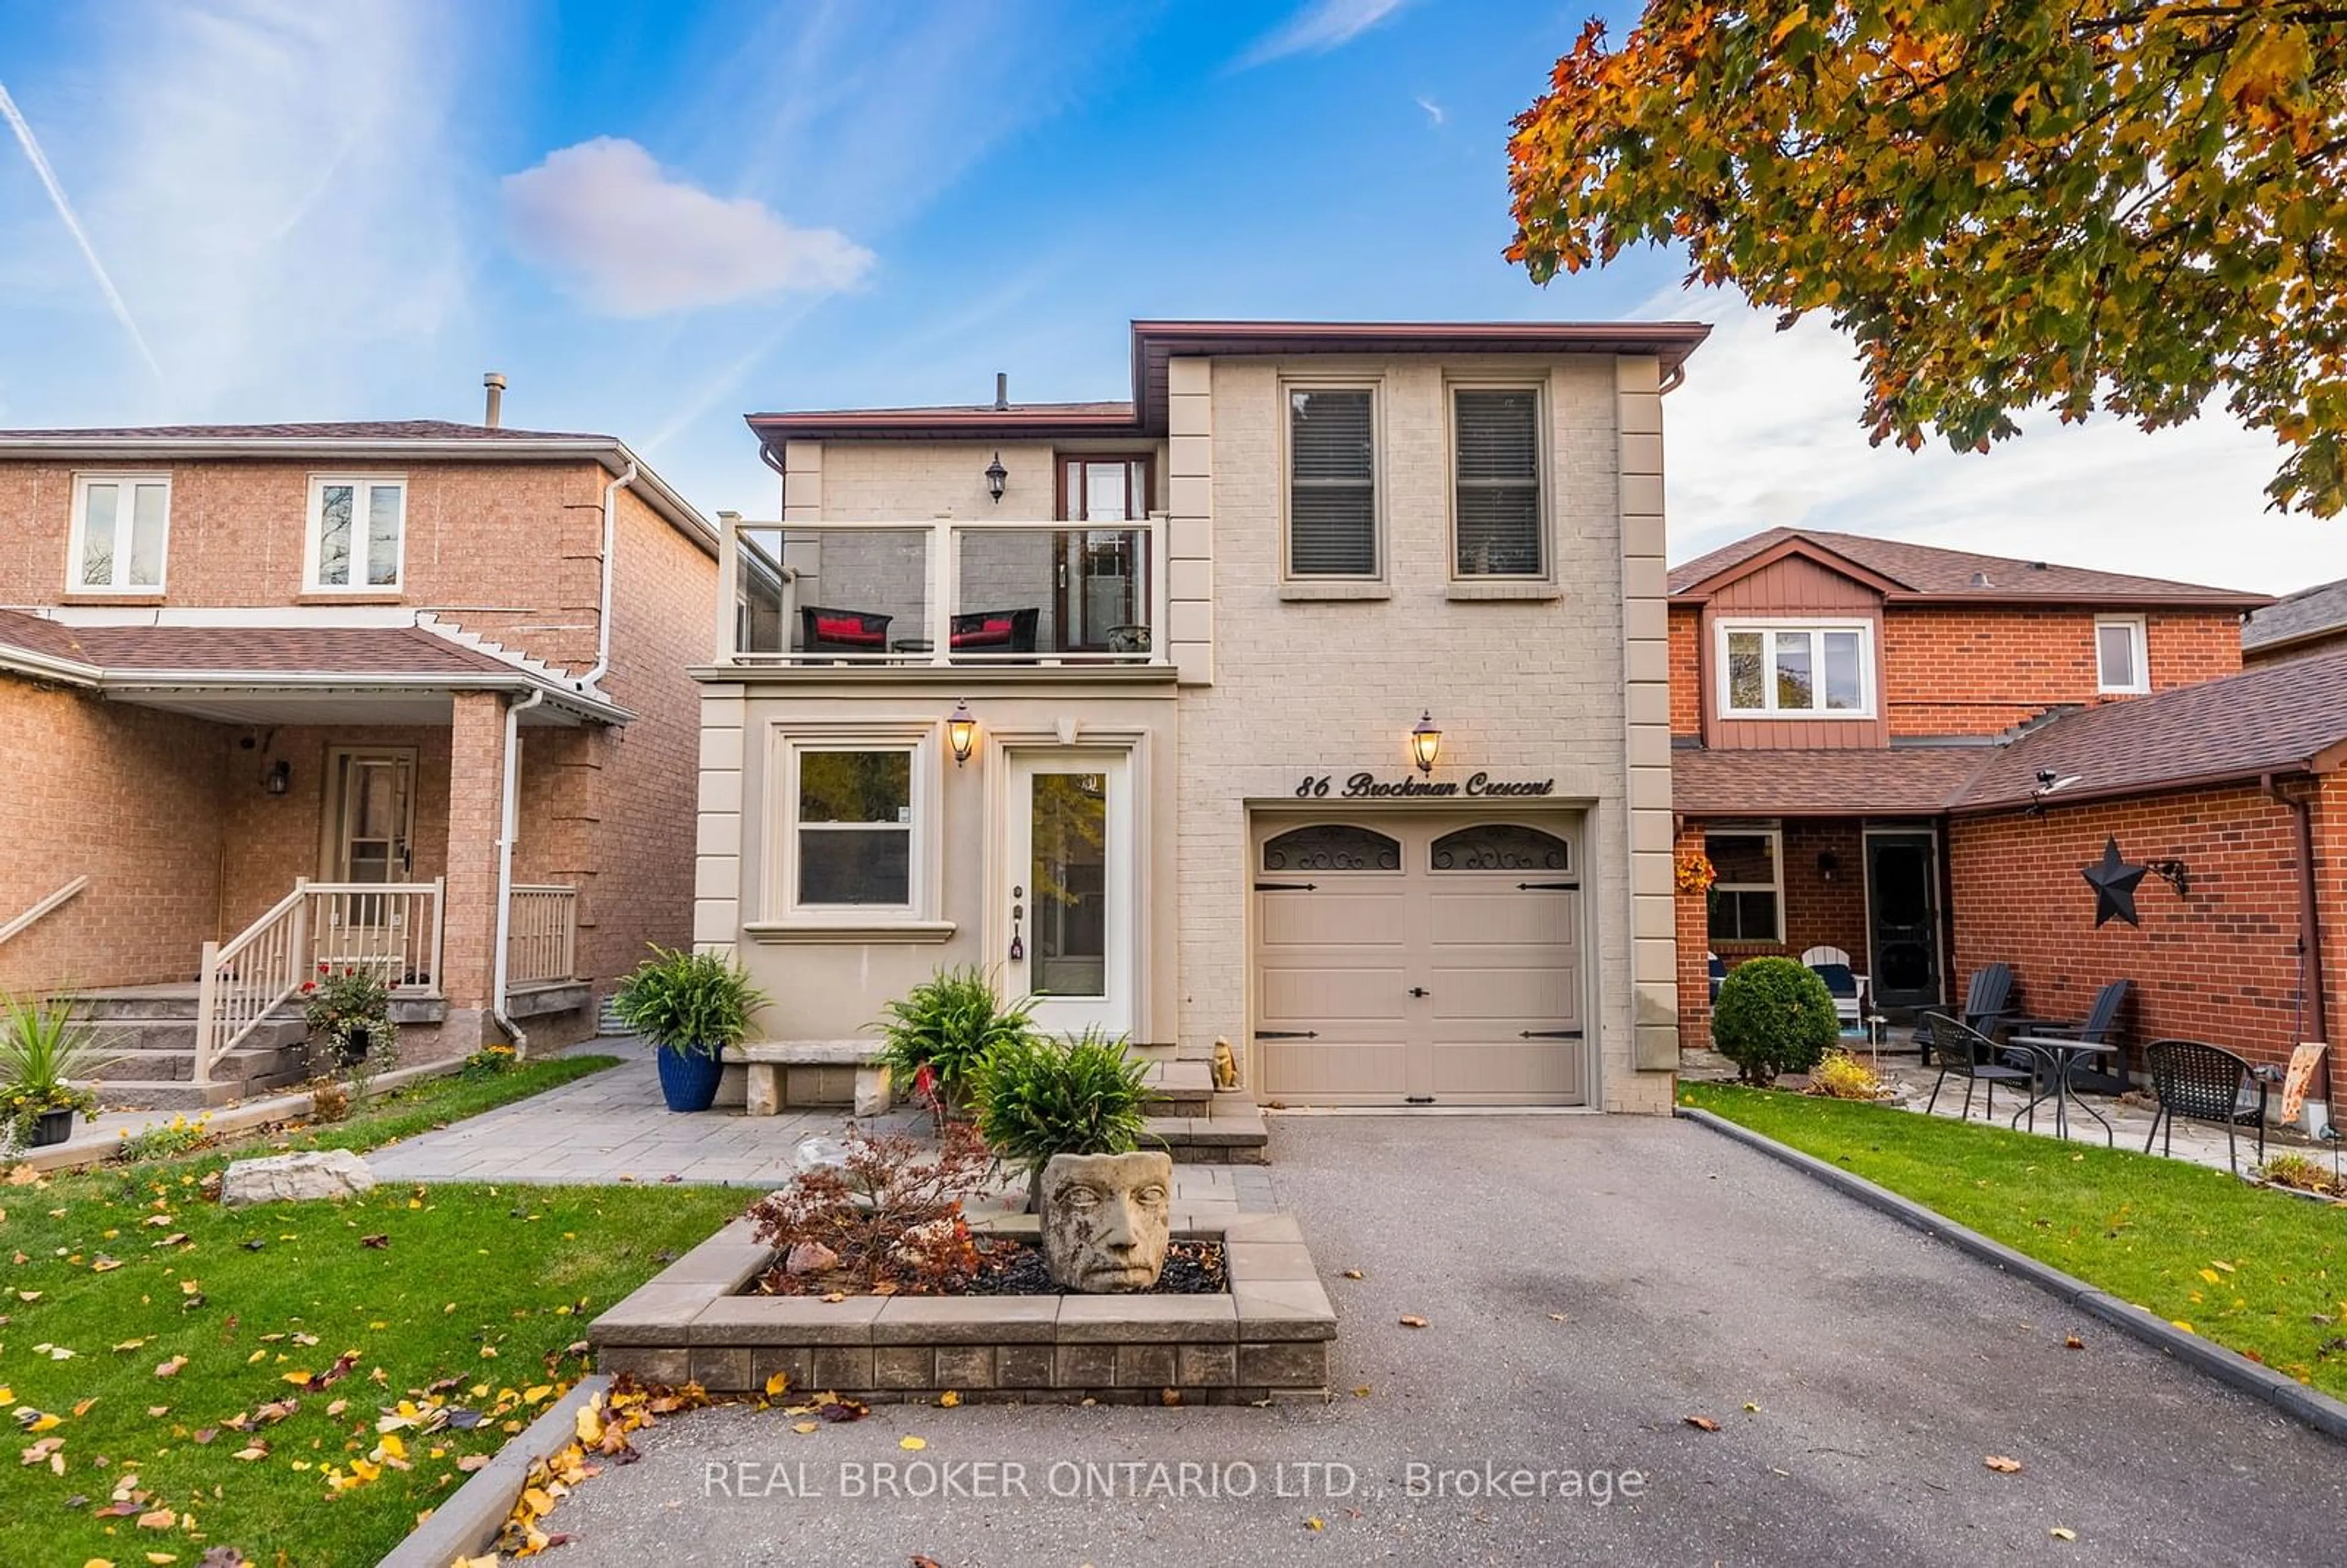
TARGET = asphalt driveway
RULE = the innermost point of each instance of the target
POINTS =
(1588, 1284)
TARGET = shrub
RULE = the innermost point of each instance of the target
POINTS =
(1839, 1075)
(177, 1136)
(1037, 1098)
(329, 1102)
(695, 1004)
(349, 1014)
(2297, 1171)
(1773, 1016)
(43, 1049)
(490, 1061)
(889, 1215)
(949, 1024)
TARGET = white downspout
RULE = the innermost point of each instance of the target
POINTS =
(610, 537)
(505, 826)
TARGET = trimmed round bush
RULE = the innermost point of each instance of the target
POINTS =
(1773, 1016)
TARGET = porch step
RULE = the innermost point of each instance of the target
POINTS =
(1180, 1089)
(151, 1040)
(138, 1002)
(170, 1094)
(608, 1022)
(1230, 1133)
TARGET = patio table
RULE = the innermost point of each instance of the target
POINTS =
(2062, 1057)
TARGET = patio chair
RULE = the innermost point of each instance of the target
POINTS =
(2205, 1083)
(996, 630)
(1987, 999)
(1831, 965)
(2101, 1021)
(1967, 1053)
(1717, 966)
(826, 630)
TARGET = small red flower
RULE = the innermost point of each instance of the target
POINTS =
(309, 985)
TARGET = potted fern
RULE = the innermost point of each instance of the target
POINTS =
(1038, 1098)
(43, 1049)
(933, 1038)
(691, 1006)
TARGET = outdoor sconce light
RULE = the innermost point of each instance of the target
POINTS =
(1425, 742)
(961, 733)
(996, 474)
(1828, 864)
(2173, 872)
(279, 778)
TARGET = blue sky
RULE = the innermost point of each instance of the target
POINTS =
(655, 217)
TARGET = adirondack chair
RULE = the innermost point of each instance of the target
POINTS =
(1986, 1001)
(1831, 965)
(2100, 1023)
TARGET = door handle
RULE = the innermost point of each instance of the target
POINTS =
(1420, 991)
(1018, 912)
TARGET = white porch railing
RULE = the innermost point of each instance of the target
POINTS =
(943, 591)
(392, 930)
(542, 936)
(54, 901)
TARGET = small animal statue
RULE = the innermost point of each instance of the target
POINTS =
(1226, 1065)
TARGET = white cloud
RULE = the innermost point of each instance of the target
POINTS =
(57, 191)
(1765, 434)
(1433, 110)
(633, 242)
(1319, 27)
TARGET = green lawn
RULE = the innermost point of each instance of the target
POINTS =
(129, 1269)
(2261, 1272)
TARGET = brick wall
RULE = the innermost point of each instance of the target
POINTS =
(2217, 965)
(128, 796)
(1819, 911)
(1686, 672)
(1977, 669)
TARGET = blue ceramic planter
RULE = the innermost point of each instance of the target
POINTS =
(689, 1080)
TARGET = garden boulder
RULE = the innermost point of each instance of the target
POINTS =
(296, 1178)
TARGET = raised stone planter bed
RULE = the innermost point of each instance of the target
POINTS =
(1266, 1339)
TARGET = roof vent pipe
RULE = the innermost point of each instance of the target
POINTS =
(1980, 579)
(496, 381)
(1001, 389)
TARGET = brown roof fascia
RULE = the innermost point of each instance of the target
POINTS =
(1028, 422)
(1808, 550)
(2217, 600)
(2246, 773)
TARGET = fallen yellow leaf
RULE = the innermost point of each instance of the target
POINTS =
(949, 1399)
(536, 1500)
(392, 1445)
(805, 1426)
(776, 1384)
(915, 1443)
(2003, 1464)
(2059, 1534)
(1315, 1523)
(158, 1518)
(1413, 1321)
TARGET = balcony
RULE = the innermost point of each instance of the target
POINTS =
(946, 592)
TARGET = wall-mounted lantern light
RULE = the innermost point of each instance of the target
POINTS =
(961, 733)
(2175, 874)
(996, 474)
(279, 778)
(1425, 742)
(1829, 862)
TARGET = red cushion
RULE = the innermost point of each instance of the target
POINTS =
(994, 631)
(849, 628)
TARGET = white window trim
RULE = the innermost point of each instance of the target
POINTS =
(785, 919)
(1866, 679)
(1541, 470)
(2141, 638)
(1775, 838)
(79, 540)
(1375, 387)
(310, 540)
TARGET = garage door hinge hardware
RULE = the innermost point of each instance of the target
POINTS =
(1548, 1034)
(1288, 1034)
(1285, 886)
(1548, 886)
(1417, 1099)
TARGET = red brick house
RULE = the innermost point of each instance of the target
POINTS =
(410, 696)
(2311, 620)
(1843, 710)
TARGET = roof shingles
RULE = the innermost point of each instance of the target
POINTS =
(1927, 571)
(396, 652)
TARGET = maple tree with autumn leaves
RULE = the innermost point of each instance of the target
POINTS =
(2008, 204)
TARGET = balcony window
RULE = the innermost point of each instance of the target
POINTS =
(121, 525)
(1783, 670)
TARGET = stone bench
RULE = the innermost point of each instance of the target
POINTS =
(797, 1072)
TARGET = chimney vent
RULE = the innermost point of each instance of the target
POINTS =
(495, 383)
(1001, 389)
(1980, 579)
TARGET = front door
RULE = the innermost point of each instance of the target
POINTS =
(1068, 863)
(1902, 900)
(371, 823)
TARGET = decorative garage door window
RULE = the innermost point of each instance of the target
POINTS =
(1501, 846)
(1332, 846)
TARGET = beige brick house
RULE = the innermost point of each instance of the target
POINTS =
(1195, 647)
(410, 696)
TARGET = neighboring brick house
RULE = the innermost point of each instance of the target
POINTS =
(1833, 696)
(1186, 641)
(237, 660)
(2312, 621)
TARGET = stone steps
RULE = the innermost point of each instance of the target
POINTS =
(1230, 1132)
(1182, 1090)
(150, 1035)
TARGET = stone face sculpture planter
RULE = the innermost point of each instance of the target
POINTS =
(1104, 1220)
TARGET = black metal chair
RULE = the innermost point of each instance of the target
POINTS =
(1967, 1053)
(2102, 1019)
(1987, 999)
(2204, 1083)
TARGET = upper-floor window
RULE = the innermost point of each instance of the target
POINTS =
(358, 533)
(1495, 489)
(1332, 483)
(121, 525)
(2119, 661)
(1777, 669)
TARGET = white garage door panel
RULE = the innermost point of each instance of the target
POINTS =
(1356, 917)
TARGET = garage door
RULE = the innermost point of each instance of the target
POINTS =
(1417, 959)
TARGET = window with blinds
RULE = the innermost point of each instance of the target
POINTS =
(1332, 487)
(1496, 527)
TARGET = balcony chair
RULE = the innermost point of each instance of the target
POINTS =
(1831, 965)
(1987, 999)
(825, 631)
(1967, 1053)
(996, 630)
(2205, 1083)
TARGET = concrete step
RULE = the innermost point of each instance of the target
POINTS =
(1231, 1133)
(278, 1031)
(1179, 1089)
(138, 1002)
(168, 1094)
(247, 1063)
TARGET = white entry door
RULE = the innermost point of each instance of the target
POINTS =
(1068, 878)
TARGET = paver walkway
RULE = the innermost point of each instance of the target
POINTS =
(1588, 1284)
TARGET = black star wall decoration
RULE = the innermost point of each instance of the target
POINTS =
(2114, 882)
